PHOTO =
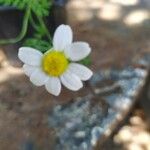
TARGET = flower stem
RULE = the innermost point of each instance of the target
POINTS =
(23, 31)
(32, 22)
(40, 19)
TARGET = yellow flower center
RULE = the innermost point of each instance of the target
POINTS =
(54, 63)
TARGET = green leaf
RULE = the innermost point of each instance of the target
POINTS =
(39, 31)
(86, 61)
(38, 44)
(39, 7)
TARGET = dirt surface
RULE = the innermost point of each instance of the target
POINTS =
(115, 43)
(134, 135)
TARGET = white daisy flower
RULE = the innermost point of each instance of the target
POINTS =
(58, 65)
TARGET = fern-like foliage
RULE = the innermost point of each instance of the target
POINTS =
(38, 44)
(86, 61)
(39, 7)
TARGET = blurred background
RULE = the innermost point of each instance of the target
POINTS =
(119, 34)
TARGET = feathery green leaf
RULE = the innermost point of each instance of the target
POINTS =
(39, 44)
(39, 7)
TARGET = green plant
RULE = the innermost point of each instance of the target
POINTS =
(35, 13)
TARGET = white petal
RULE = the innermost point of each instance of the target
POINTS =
(77, 51)
(38, 78)
(81, 71)
(28, 70)
(30, 56)
(62, 37)
(71, 81)
(53, 86)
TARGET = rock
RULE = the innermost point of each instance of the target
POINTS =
(81, 123)
(28, 145)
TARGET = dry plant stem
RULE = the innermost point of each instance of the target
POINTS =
(108, 89)
(96, 96)
(23, 31)
(99, 93)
